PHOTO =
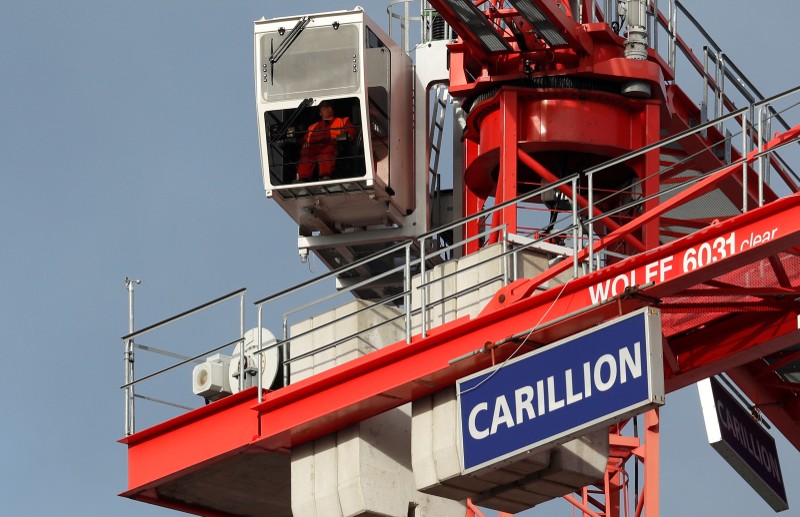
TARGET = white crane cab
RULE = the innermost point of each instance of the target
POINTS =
(333, 94)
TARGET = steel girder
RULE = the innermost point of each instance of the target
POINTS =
(402, 372)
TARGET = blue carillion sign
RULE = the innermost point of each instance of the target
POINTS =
(561, 391)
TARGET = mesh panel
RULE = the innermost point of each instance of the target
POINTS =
(679, 317)
(676, 176)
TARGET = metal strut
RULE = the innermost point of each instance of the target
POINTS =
(293, 35)
(285, 44)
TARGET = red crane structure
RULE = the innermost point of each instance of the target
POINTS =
(587, 185)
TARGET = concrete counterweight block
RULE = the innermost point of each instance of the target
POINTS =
(372, 462)
(326, 489)
(364, 469)
(303, 479)
(511, 486)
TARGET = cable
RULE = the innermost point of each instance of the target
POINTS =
(524, 340)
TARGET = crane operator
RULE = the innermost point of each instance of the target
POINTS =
(319, 144)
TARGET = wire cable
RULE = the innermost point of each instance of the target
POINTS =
(522, 343)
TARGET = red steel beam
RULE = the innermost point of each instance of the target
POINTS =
(729, 343)
(777, 363)
(189, 440)
(403, 372)
(583, 203)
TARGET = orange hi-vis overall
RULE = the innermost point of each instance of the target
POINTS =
(319, 147)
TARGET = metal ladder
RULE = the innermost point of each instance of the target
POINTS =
(439, 114)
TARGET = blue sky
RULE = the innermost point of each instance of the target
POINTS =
(128, 147)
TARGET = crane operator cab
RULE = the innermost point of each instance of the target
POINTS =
(334, 117)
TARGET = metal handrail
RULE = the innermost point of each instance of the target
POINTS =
(183, 314)
(405, 21)
(129, 354)
(739, 77)
(332, 273)
(181, 363)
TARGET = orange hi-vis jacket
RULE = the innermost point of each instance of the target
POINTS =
(319, 146)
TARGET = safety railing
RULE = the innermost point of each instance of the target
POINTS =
(718, 84)
(132, 343)
(413, 303)
(404, 15)
(724, 88)
(310, 313)
(400, 15)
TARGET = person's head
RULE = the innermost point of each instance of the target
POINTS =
(326, 110)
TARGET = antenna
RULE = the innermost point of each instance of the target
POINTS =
(129, 285)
